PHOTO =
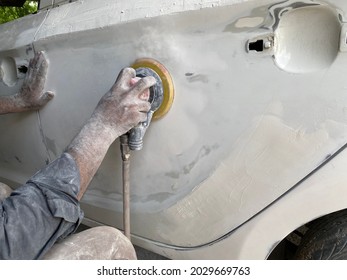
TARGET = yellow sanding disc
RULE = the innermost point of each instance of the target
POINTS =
(168, 86)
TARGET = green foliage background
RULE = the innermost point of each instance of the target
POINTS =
(11, 13)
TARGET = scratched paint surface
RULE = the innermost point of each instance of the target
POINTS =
(242, 130)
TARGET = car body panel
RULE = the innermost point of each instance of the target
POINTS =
(245, 126)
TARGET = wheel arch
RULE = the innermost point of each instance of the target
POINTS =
(294, 241)
(318, 197)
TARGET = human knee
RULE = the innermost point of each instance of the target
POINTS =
(98, 243)
(115, 241)
(5, 191)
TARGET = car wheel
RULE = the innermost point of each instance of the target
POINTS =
(326, 239)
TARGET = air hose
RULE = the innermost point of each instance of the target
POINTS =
(161, 98)
(125, 153)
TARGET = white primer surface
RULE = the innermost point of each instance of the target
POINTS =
(242, 131)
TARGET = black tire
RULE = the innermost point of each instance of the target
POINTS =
(326, 239)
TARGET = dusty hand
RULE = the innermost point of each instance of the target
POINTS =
(126, 104)
(31, 95)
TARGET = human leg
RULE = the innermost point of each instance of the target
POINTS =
(99, 243)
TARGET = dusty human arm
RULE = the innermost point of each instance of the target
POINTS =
(31, 95)
(120, 109)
